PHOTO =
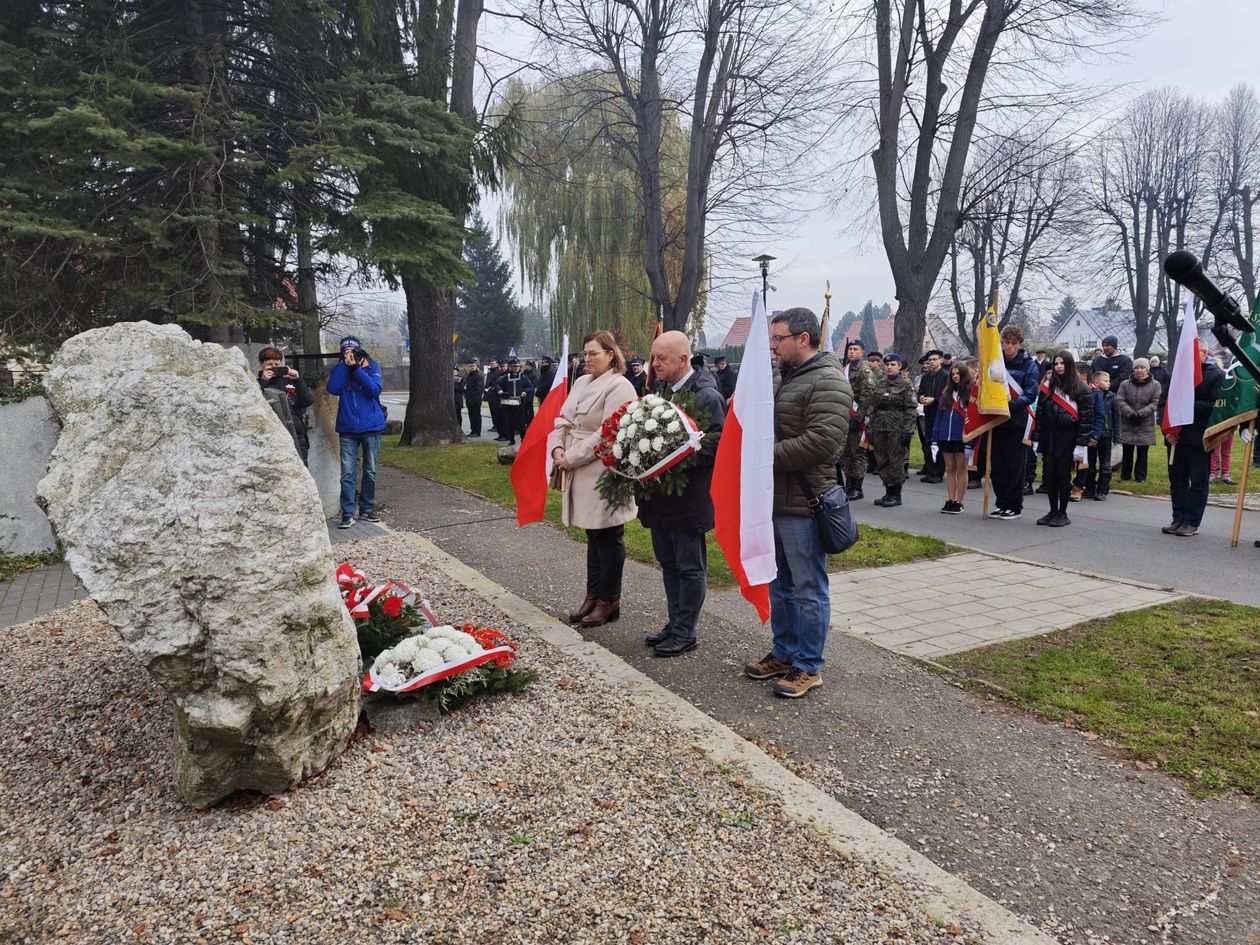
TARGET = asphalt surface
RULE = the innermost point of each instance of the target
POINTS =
(1052, 824)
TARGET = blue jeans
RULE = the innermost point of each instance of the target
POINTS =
(800, 597)
(350, 444)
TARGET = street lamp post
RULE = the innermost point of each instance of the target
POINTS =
(764, 261)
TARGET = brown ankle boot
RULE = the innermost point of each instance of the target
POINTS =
(605, 611)
(587, 605)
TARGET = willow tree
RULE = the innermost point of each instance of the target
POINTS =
(575, 211)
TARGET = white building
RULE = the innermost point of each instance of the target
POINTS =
(1085, 330)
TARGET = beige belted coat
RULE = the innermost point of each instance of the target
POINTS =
(588, 405)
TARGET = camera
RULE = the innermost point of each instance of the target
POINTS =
(279, 370)
(360, 354)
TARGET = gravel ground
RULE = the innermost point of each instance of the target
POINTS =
(565, 814)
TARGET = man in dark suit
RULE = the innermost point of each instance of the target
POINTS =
(474, 389)
(678, 523)
(637, 376)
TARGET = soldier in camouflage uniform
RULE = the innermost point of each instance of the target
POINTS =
(854, 459)
(893, 411)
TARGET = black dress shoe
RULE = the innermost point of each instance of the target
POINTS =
(674, 646)
(660, 636)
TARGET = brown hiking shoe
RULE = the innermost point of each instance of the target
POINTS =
(767, 668)
(796, 683)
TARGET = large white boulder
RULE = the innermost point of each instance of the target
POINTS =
(186, 512)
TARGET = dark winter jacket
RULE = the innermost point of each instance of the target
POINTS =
(931, 385)
(546, 376)
(692, 509)
(1205, 394)
(1027, 376)
(949, 422)
(358, 391)
(811, 422)
(1100, 414)
(1111, 415)
(300, 397)
(637, 381)
(726, 382)
(474, 387)
(1119, 366)
(516, 385)
(1160, 374)
(1058, 432)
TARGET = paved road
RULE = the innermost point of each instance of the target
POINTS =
(1032, 814)
(1119, 537)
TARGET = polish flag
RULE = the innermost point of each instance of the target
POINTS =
(531, 470)
(743, 471)
(1187, 374)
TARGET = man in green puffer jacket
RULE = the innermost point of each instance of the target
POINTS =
(811, 419)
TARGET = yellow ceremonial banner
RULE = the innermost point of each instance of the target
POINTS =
(994, 397)
(990, 399)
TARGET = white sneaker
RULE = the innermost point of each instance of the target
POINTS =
(1008, 514)
(997, 513)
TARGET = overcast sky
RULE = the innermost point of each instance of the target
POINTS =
(1188, 48)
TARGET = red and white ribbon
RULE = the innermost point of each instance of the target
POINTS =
(676, 456)
(372, 683)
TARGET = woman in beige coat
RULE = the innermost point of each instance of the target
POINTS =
(595, 395)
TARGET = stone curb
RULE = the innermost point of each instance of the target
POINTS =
(942, 896)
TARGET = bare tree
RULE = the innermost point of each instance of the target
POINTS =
(940, 65)
(1235, 186)
(748, 81)
(1018, 219)
(1149, 176)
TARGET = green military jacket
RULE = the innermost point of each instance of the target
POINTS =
(893, 406)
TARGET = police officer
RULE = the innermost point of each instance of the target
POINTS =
(474, 388)
(637, 376)
(546, 376)
(515, 390)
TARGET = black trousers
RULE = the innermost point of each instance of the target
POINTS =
(512, 422)
(683, 557)
(932, 467)
(1007, 465)
(1188, 483)
(605, 562)
(1134, 466)
(1058, 481)
(474, 415)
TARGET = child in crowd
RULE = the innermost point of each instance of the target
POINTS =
(947, 436)
(1218, 464)
(1065, 425)
(1081, 481)
(1098, 476)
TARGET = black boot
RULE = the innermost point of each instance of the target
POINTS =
(853, 488)
(892, 497)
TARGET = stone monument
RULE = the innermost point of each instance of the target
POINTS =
(186, 512)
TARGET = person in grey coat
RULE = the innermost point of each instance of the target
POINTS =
(1138, 400)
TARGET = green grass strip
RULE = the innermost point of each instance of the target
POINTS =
(473, 466)
(1177, 686)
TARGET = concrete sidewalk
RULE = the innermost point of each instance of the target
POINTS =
(960, 602)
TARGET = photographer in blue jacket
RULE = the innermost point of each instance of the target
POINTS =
(356, 381)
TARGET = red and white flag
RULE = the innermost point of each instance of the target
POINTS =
(743, 471)
(531, 470)
(1187, 374)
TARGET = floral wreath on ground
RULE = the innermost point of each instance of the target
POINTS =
(406, 653)
(646, 446)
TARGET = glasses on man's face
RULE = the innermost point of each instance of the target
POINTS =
(776, 340)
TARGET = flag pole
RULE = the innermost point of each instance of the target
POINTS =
(988, 443)
(1242, 482)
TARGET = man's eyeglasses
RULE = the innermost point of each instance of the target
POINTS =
(776, 340)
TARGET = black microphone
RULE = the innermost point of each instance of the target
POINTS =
(1184, 268)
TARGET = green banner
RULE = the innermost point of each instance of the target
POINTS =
(1237, 404)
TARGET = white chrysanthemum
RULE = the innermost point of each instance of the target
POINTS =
(617, 451)
(658, 444)
(650, 425)
(644, 445)
(389, 675)
(405, 650)
(633, 458)
(653, 400)
(673, 427)
(426, 660)
(632, 429)
(621, 436)
(660, 411)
